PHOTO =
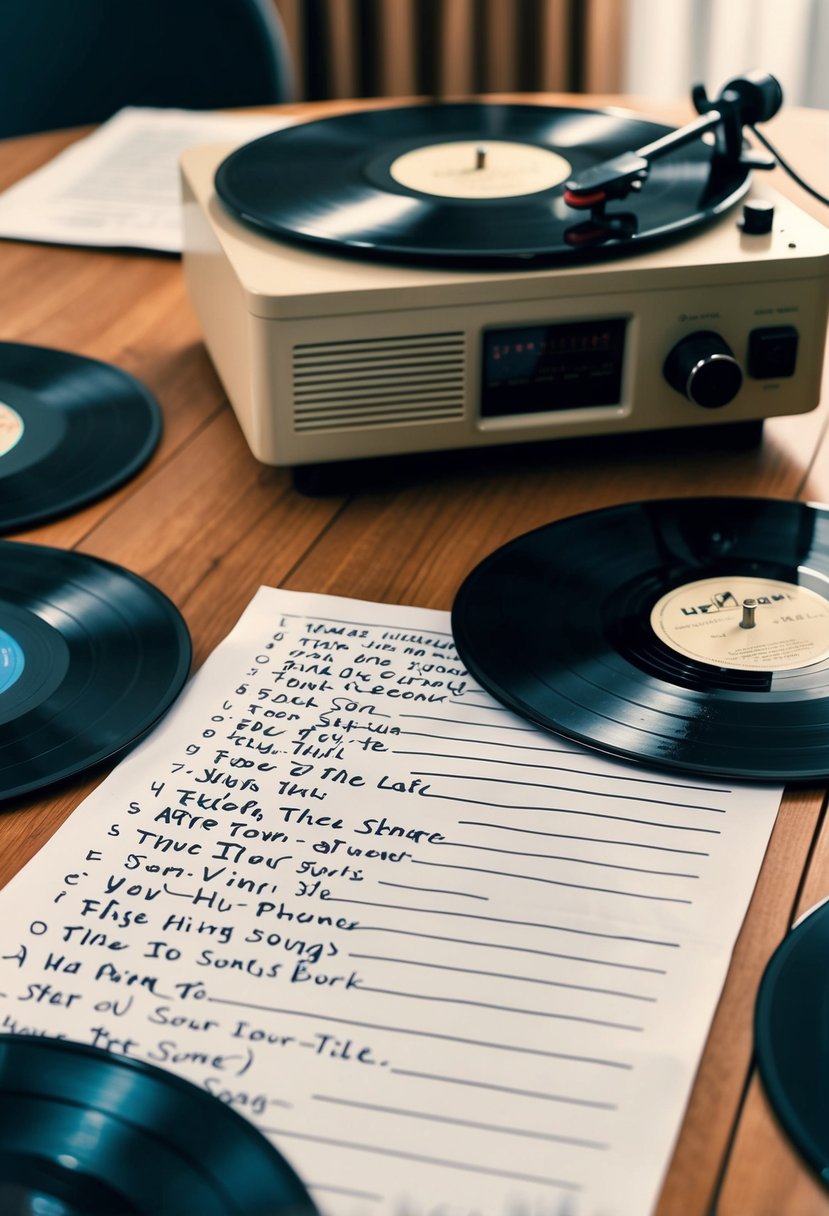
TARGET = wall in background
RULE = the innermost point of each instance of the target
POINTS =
(715, 40)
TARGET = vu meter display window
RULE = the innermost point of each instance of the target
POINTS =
(531, 369)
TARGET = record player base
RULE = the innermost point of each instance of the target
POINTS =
(329, 358)
(328, 478)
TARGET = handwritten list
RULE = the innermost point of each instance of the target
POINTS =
(449, 963)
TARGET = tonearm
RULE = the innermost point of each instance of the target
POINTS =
(755, 97)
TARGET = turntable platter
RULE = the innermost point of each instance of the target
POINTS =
(468, 183)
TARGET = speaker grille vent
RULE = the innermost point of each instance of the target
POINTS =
(378, 382)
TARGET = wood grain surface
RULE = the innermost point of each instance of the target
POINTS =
(208, 524)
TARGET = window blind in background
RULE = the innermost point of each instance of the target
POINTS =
(668, 44)
(652, 48)
(441, 48)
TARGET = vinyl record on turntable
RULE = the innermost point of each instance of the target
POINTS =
(72, 429)
(87, 1133)
(91, 656)
(684, 633)
(471, 183)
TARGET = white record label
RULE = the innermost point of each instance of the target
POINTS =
(480, 169)
(11, 428)
(702, 621)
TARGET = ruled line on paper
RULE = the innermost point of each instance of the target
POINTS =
(490, 945)
(552, 882)
(520, 1010)
(629, 844)
(567, 1099)
(470, 704)
(503, 975)
(404, 886)
(613, 777)
(445, 1163)
(557, 810)
(523, 924)
(414, 1032)
(581, 861)
(434, 1117)
(572, 789)
(501, 743)
(513, 726)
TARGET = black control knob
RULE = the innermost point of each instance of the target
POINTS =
(703, 368)
(758, 217)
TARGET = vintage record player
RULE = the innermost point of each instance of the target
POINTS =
(465, 275)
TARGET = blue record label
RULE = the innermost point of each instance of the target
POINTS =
(12, 661)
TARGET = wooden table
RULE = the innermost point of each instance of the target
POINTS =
(208, 524)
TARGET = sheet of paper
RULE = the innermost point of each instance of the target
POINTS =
(119, 187)
(450, 963)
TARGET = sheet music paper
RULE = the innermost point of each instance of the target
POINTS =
(450, 963)
(119, 187)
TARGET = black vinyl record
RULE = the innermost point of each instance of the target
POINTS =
(623, 629)
(790, 1036)
(91, 656)
(351, 184)
(71, 430)
(87, 1133)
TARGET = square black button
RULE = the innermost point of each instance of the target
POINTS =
(772, 352)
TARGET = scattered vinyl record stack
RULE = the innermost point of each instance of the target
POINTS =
(91, 655)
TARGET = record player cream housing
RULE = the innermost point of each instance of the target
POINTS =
(327, 357)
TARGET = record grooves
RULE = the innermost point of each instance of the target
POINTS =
(562, 625)
(72, 429)
(87, 1132)
(790, 1035)
(91, 656)
(395, 184)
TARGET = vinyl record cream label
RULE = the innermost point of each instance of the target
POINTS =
(11, 428)
(483, 169)
(782, 628)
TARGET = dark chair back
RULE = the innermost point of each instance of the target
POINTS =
(66, 63)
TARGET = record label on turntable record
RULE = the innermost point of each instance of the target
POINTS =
(786, 627)
(476, 169)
